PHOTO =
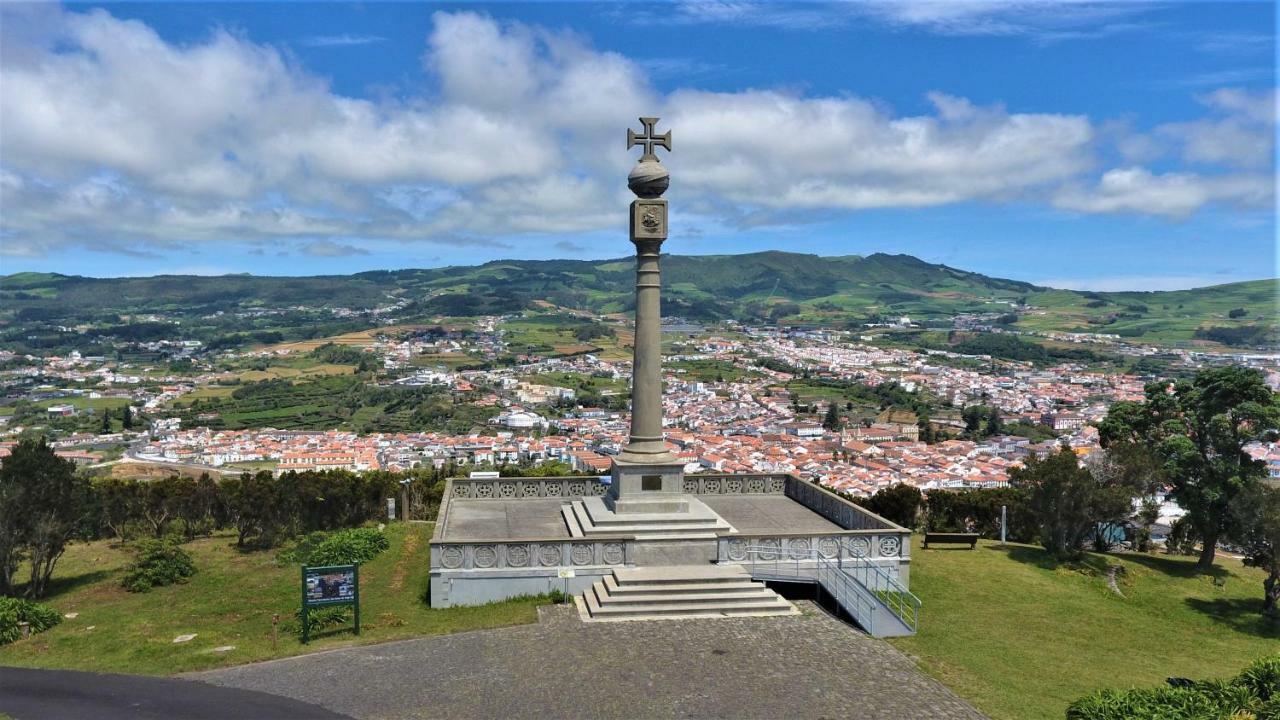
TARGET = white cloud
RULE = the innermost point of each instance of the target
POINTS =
(343, 40)
(1175, 195)
(115, 138)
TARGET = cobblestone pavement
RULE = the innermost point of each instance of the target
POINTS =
(800, 666)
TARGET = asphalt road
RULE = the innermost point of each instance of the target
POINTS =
(66, 695)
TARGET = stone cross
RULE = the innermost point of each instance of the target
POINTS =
(648, 139)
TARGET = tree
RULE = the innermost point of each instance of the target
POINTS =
(832, 419)
(1198, 429)
(1062, 496)
(126, 418)
(119, 501)
(972, 417)
(106, 422)
(994, 424)
(42, 502)
(896, 503)
(1256, 512)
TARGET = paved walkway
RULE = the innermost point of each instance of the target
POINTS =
(70, 695)
(801, 666)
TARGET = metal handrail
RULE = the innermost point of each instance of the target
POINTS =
(858, 585)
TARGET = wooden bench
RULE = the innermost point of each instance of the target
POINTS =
(951, 538)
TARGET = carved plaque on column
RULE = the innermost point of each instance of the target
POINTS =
(649, 219)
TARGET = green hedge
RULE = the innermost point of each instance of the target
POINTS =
(1254, 694)
(16, 610)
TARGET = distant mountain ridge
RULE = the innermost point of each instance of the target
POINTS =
(773, 285)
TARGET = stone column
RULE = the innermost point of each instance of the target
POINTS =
(646, 476)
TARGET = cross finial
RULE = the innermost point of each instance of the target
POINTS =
(648, 139)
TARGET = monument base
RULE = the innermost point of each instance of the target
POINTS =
(647, 487)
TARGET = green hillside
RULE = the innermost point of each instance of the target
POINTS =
(758, 287)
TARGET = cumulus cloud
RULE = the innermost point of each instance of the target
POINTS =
(115, 138)
(1173, 194)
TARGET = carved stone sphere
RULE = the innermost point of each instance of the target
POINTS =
(649, 179)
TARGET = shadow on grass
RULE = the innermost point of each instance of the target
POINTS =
(1180, 566)
(1168, 565)
(1240, 614)
(1042, 558)
(62, 584)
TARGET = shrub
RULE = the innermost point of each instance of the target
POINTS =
(16, 610)
(158, 563)
(320, 618)
(357, 545)
(1254, 693)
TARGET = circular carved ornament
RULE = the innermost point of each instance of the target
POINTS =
(461, 491)
(777, 484)
(507, 490)
(829, 548)
(451, 556)
(613, 554)
(889, 546)
(733, 486)
(528, 490)
(755, 485)
(580, 554)
(599, 488)
(549, 555)
(770, 549)
(485, 556)
(737, 550)
(859, 547)
(517, 556)
(552, 489)
(577, 489)
(799, 548)
(691, 486)
(484, 491)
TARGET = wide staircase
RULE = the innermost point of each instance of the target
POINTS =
(679, 591)
(591, 517)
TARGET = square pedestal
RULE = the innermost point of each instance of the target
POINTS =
(647, 488)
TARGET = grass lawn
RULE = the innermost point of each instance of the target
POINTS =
(230, 602)
(1021, 637)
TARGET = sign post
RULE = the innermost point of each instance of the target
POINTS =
(328, 585)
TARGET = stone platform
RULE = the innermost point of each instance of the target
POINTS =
(501, 537)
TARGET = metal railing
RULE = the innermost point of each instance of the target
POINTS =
(859, 586)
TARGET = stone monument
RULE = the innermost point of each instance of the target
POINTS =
(647, 478)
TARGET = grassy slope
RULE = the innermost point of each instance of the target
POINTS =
(1021, 638)
(230, 602)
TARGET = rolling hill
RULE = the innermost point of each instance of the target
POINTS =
(768, 286)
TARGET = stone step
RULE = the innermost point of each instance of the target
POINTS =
(571, 521)
(614, 588)
(774, 605)
(682, 574)
(625, 600)
(599, 514)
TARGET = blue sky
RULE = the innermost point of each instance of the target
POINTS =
(1101, 145)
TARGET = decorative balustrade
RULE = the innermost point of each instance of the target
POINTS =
(879, 545)
(733, 484)
(835, 508)
(513, 488)
(530, 554)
